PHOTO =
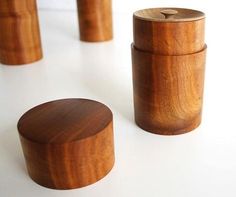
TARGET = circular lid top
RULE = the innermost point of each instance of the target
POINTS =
(169, 14)
(64, 121)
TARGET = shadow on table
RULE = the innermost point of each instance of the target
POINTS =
(52, 22)
(107, 75)
(10, 149)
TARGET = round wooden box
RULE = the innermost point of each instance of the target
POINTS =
(20, 41)
(67, 143)
(168, 58)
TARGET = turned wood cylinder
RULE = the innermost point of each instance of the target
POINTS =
(67, 143)
(168, 58)
(95, 20)
(19, 32)
(177, 34)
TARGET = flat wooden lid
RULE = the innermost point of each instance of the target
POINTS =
(169, 14)
(64, 121)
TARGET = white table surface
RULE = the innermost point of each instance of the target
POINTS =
(199, 163)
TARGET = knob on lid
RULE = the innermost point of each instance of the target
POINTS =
(169, 14)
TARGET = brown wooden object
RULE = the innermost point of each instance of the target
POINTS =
(168, 56)
(67, 143)
(178, 34)
(95, 20)
(19, 32)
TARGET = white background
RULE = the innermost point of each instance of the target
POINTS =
(200, 163)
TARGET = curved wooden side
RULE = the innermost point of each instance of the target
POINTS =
(169, 38)
(168, 91)
(95, 20)
(19, 32)
(70, 165)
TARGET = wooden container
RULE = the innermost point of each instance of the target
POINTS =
(19, 32)
(168, 56)
(161, 31)
(67, 143)
(95, 20)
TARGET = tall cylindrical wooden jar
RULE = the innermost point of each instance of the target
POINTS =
(95, 20)
(168, 57)
(19, 32)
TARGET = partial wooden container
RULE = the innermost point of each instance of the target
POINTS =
(67, 143)
(19, 32)
(95, 20)
(168, 57)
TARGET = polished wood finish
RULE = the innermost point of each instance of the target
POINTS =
(168, 57)
(169, 36)
(67, 143)
(95, 20)
(168, 91)
(177, 14)
(19, 32)
(169, 13)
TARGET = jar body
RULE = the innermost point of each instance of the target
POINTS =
(168, 91)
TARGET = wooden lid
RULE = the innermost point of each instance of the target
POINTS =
(169, 14)
(67, 143)
(64, 121)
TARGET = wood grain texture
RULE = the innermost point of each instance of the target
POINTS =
(172, 36)
(67, 143)
(95, 20)
(169, 14)
(168, 57)
(168, 91)
(19, 32)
